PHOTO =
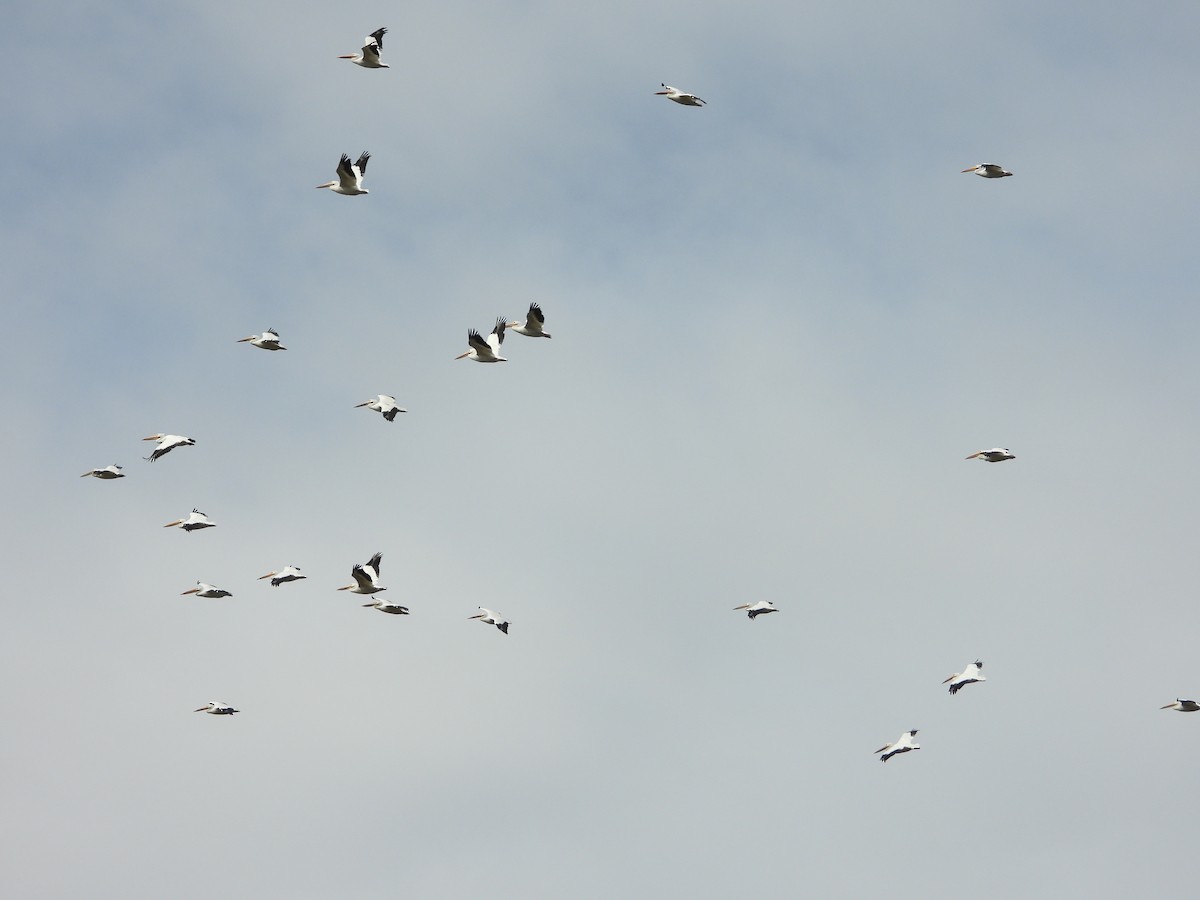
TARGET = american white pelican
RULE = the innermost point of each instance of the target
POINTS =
(268, 340)
(486, 351)
(369, 58)
(366, 578)
(210, 591)
(534, 320)
(679, 96)
(385, 606)
(969, 675)
(1183, 705)
(349, 176)
(988, 170)
(217, 708)
(491, 618)
(383, 404)
(902, 745)
(996, 454)
(167, 443)
(283, 576)
(106, 474)
(193, 522)
(757, 609)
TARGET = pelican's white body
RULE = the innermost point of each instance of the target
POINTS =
(904, 744)
(366, 577)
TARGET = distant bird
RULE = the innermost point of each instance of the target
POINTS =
(969, 675)
(988, 170)
(194, 522)
(366, 578)
(486, 351)
(106, 474)
(167, 443)
(206, 590)
(491, 618)
(283, 576)
(903, 745)
(383, 404)
(217, 708)
(534, 320)
(760, 608)
(349, 176)
(268, 340)
(384, 606)
(369, 58)
(679, 96)
(1183, 705)
(996, 454)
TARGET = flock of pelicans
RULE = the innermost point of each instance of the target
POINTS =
(487, 350)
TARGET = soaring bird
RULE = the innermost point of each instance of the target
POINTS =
(486, 351)
(534, 320)
(988, 170)
(1183, 705)
(194, 522)
(366, 578)
(757, 609)
(217, 708)
(283, 576)
(488, 617)
(369, 58)
(206, 590)
(268, 340)
(106, 474)
(903, 745)
(167, 443)
(383, 404)
(384, 606)
(996, 454)
(349, 176)
(969, 675)
(679, 96)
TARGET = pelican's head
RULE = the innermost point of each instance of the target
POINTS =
(153, 437)
(268, 575)
(173, 524)
(194, 590)
(327, 184)
(666, 89)
(972, 169)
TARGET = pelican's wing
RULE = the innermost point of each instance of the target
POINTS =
(370, 51)
(374, 563)
(378, 36)
(478, 344)
(535, 318)
(498, 333)
(361, 165)
(361, 577)
(347, 179)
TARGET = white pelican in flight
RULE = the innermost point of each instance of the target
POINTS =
(383, 404)
(210, 591)
(996, 454)
(366, 578)
(1183, 705)
(902, 745)
(969, 675)
(194, 522)
(385, 606)
(106, 474)
(167, 443)
(369, 58)
(217, 708)
(488, 617)
(268, 340)
(534, 320)
(679, 96)
(349, 176)
(283, 576)
(486, 351)
(757, 609)
(988, 170)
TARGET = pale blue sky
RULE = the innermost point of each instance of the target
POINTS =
(780, 322)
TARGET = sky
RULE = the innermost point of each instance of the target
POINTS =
(780, 322)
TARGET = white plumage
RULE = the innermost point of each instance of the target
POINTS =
(350, 176)
(903, 744)
(366, 577)
(762, 607)
(369, 57)
(486, 350)
(970, 675)
(489, 617)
